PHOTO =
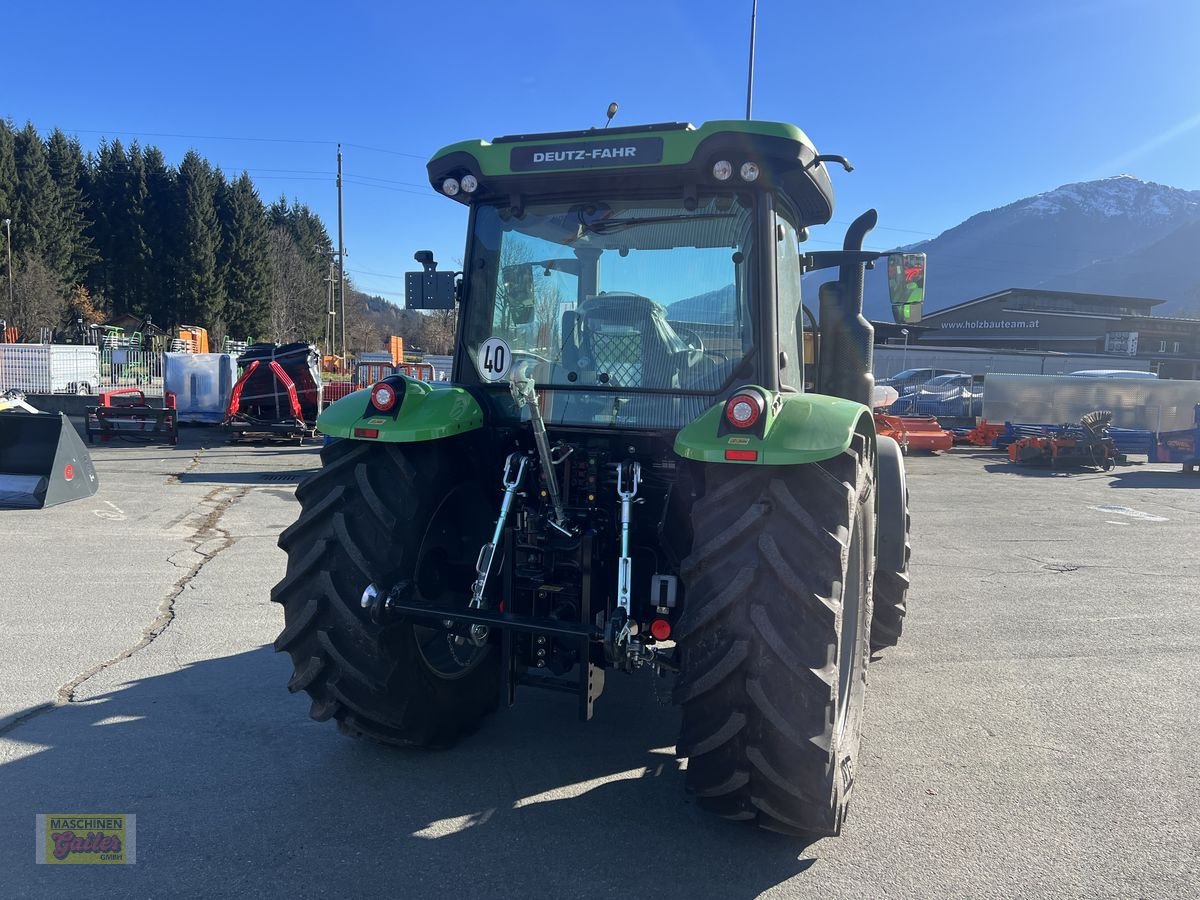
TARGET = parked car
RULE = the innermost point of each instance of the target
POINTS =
(956, 395)
(911, 378)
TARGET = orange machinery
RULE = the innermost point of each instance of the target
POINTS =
(334, 365)
(914, 432)
(1063, 451)
(195, 337)
(982, 435)
(1088, 445)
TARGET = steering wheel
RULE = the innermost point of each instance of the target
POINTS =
(691, 338)
(527, 364)
(533, 355)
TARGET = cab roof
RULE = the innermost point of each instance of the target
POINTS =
(641, 157)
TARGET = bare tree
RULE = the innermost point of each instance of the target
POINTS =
(41, 299)
(296, 298)
(438, 331)
(362, 330)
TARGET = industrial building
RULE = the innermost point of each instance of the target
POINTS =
(1124, 329)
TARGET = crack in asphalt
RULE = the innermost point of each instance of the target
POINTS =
(208, 530)
(177, 477)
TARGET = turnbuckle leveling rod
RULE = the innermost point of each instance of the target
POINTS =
(625, 564)
(514, 473)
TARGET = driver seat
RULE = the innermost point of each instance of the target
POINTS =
(625, 336)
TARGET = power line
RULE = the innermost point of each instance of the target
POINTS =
(196, 137)
(316, 175)
(136, 133)
(376, 274)
(322, 176)
(286, 177)
(393, 181)
(384, 187)
(887, 228)
(392, 152)
(382, 293)
(286, 171)
(414, 184)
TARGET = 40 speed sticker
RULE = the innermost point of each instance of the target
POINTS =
(495, 359)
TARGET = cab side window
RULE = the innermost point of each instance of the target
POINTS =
(787, 289)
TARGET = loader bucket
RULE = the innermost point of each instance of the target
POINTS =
(42, 461)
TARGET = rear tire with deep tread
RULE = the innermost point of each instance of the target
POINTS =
(780, 570)
(368, 516)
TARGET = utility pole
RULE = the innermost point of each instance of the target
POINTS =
(342, 254)
(11, 309)
(750, 76)
(330, 313)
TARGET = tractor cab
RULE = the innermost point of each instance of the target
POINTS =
(636, 275)
(639, 275)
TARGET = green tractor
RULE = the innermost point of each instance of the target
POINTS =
(644, 460)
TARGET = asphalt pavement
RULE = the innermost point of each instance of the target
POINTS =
(1034, 735)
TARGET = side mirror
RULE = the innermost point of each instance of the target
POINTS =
(517, 295)
(429, 289)
(906, 286)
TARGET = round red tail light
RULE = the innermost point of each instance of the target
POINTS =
(744, 409)
(383, 395)
(661, 629)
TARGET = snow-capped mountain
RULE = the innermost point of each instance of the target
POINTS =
(1121, 196)
(1117, 235)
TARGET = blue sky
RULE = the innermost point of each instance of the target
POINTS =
(945, 107)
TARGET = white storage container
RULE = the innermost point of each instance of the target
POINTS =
(1147, 404)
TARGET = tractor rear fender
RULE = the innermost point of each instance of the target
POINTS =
(794, 429)
(423, 411)
(891, 492)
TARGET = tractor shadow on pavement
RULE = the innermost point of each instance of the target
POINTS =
(1174, 479)
(239, 793)
(1120, 477)
(1011, 468)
